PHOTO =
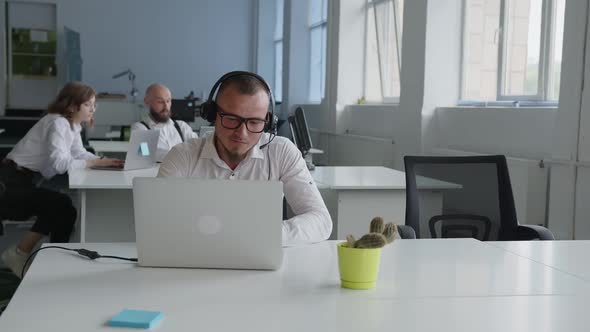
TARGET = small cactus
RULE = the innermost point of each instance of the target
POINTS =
(389, 232)
(371, 240)
(379, 235)
(351, 240)
(376, 225)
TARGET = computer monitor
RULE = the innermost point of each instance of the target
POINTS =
(184, 109)
(301, 135)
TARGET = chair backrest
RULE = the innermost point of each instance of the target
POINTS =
(125, 133)
(476, 200)
(8, 285)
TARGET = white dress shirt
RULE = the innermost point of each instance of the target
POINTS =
(168, 134)
(199, 158)
(51, 147)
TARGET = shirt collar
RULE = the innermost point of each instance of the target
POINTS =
(209, 151)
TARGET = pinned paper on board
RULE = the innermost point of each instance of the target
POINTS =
(144, 149)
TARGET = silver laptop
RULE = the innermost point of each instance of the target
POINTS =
(141, 152)
(189, 222)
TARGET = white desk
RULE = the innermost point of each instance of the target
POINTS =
(424, 285)
(109, 146)
(353, 195)
(571, 257)
(106, 203)
(356, 194)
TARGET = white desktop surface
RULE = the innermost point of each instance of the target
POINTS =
(106, 203)
(424, 285)
(571, 257)
(356, 194)
(109, 146)
(371, 177)
(353, 195)
(354, 177)
(102, 179)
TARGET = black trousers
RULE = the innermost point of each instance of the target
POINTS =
(21, 199)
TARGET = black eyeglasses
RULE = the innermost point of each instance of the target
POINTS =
(232, 121)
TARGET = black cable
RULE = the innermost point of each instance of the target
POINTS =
(82, 252)
(121, 258)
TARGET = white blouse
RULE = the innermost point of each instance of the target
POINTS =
(51, 147)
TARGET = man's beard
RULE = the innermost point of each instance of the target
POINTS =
(158, 117)
(233, 156)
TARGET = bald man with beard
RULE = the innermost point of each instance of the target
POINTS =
(158, 100)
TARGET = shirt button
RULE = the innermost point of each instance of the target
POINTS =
(232, 176)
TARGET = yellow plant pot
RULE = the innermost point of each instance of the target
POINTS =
(358, 267)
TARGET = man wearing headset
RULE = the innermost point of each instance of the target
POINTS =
(158, 99)
(244, 147)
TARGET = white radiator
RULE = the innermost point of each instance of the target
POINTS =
(529, 180)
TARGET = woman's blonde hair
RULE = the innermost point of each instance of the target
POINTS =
(69, 99)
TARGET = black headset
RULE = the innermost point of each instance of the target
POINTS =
(209, 108)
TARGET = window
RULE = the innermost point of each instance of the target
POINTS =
(512, 50)
(318, 13)
(278, 51)
(383, 50)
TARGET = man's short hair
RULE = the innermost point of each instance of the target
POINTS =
(246, 84)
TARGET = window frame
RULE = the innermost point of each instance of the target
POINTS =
(322, 26)
(278, 41)
(398, 39)
(545, 50)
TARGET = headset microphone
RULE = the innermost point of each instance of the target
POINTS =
(272, 136)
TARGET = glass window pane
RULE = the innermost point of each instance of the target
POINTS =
(324, 10)
(315, 65)
(480, 50)
(372, 76)
(387, 45)
(278, 89)
(315, 11)
(522, 47)
(279, 19)
(555, 51)
(324, 63)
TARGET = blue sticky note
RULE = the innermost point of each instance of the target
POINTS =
(144, 149)
(139, 319)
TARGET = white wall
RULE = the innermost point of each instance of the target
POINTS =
(412, 78)
(521, 132)
(185, 44)
(442, 65)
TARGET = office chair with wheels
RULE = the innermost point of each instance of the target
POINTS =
(8, 285)
(455, 197)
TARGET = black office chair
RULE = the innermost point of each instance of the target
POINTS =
(125, 134)
(476, 197)
(85, 142)
(8, 285)
(406, 232)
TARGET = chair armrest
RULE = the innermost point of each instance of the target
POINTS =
(406, 232)
(531, 232)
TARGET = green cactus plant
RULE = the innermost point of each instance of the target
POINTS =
(389, 232)
(371, 240)
(351, 240)
(379, 235)
(376, 225)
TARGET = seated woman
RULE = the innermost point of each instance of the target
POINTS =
(53, 146)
